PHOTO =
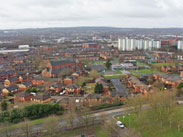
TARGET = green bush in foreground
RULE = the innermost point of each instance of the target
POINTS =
(31, 112)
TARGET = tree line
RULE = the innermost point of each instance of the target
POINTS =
(31, 112)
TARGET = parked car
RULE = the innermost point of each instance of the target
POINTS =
(120, 124)
(62, 93)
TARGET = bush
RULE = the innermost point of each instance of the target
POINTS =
(41, 110)
(5, 117)
(31, 112)
(32, 90)
(99, 88)
(106, 106)
(4, 105)
(16, 116)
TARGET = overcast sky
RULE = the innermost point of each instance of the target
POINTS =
(71, 13)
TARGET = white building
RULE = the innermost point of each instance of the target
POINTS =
(23, 46)
(126, 44)
(180, 45)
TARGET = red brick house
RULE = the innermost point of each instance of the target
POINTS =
(77, 74)
(137, 85)
(177, 68)
(92, 100)
(54, 68)
(73, 89)
(116, 95)
(57, 88)
(169, 79)
(41, 99)
(7, 74)
(23, 96)
(91, 45)
(38, 81)
(69, 80)
(24, 78)
(11, 89)
(11, 81)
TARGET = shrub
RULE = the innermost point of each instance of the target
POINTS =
(31, 112)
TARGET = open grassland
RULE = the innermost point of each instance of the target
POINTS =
(113, 76)
(143, 71)
(97, 130)
(149, 126)
(163, 64)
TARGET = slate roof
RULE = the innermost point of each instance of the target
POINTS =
(61, 62)
(98, 67)
(27, 84)
(94, 96)
(41, 97)
(55, 85)
(78, 72)
(99, 79)
(12, 88)
(114, 94)
(23, 94)
(12, 79)
(58, 70)
(73, 86)
(71, 77)
(119, 88)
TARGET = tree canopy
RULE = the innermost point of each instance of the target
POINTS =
(98, 88)
(108, 64)
(4, 105)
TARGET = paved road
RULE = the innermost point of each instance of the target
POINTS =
(109, 114)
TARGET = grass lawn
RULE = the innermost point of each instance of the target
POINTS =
(118, 72)
(139, 63)
(143, 71)
(162, 64)
(112, 76)
(97, 129)
(90, 90)
(36, 122)
(113, 72)
(147, 127)
(112, 61)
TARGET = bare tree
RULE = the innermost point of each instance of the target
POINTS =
(85, 117)
(136, 103)
(111, 128)
(70, 115)
(5, 130)
(94, 74)
(26, 128)
(51, 127)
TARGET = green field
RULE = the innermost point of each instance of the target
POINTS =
(147, 126)
(143, 71)
(112, 61)
(113, 76)
(139, 63)
(162, 64)
(97, 129)
(89, 90)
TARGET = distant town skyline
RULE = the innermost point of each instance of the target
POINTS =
(19, 14)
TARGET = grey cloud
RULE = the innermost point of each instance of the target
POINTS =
(121, 13)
